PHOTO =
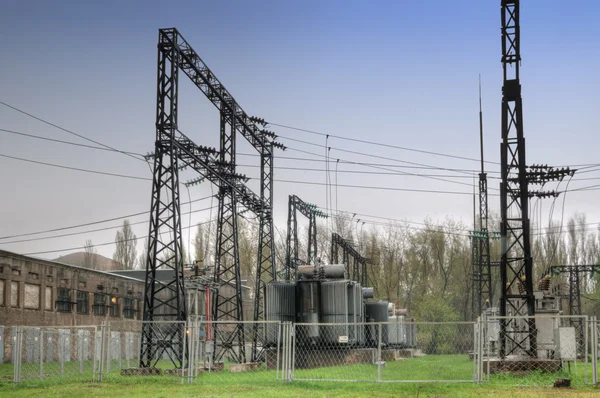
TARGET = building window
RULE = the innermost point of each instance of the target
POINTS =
(48, 303)
(82, 302)
(114, 306)
(130, 308)
(2, 283)
(99, 304)
(32, 296)
(63, 300)
(14, 294)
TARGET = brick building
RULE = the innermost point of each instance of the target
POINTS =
(37, 292)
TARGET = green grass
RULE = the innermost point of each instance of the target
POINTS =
(263, 384)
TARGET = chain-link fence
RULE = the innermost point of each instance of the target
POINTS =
(539, 350)
(225, 351)
(50, 353)
(494, 350)
(385, 352)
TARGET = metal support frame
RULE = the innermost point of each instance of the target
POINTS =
(164, 300)
(359, 265)
(574, 272)
(516, 266)
(227, 256)
(173, 150)
(265, 268)
(310, 211)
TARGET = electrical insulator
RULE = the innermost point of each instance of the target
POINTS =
(546, 283)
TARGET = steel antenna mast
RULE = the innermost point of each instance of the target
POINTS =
(484, 263)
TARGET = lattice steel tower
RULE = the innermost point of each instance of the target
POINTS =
(516, 265)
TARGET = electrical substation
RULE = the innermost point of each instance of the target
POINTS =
(315, 308)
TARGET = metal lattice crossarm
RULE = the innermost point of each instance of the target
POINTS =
(310, 211)
(483, 234)
(199, 73)
(359, 266)
(203, 160)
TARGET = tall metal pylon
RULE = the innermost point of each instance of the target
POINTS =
(227, 256)
(483, 250)
(265, 267)
(516, 265)
(165, 301)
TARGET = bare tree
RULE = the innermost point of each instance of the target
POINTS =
(126, 241)
(89, 257)
(143, 258)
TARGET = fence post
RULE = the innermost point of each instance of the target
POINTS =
(379, 352)
(108, 350)
(592, 321)
(277, 351)
(16, 356)
(475, 349)
(293, 357)
(102, 344)
(62, 348)
(190, 328)
(184, 350)
(286, 369)
(482, 332)
(41, 353)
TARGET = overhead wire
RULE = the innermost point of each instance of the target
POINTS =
(89, 223)
(67, 130)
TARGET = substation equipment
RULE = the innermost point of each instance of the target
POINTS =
(333, 309)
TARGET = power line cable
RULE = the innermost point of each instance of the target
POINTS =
(93, 230)
(76, 168)
(67, 130)
(102, 244)
(377, 143)
(66, 142)
(90, 223)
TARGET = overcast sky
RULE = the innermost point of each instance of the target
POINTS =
(399, 73)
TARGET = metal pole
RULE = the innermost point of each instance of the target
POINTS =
(80, 349)
(293, 356)
(379, 352)
(41, 353)
(277, 352)
(585, 337)
(183, 352)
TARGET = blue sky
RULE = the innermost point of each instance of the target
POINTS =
(402, 73)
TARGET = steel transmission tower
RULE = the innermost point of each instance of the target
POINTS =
(310, 211)
(516, 265)
(166, 300)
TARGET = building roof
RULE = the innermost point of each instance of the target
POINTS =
(4, 253)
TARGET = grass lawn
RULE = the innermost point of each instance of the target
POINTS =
(263, 384)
